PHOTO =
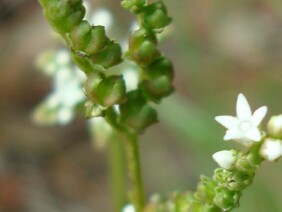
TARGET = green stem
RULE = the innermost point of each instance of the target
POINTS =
(136, 194)
(134, 170)
(117, 170)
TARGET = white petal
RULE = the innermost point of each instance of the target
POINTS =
(253, 134)
(233, 135)
(224, 158)
(228, 122)
(271, 149)
(258, 115)
(243, 108)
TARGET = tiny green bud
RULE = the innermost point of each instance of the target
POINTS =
(108, 57)
(205, 190)
(226, 199)
(136, 113)
(247, 162)
(155, 16)
(274, 126)
(88, 39)
(233, 180)
(110, 91)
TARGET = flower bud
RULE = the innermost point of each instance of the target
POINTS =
(63, 15)
(143, 47)
(136, 113)
(155, 16)
(108, 57)
(157, 79)
(226, 199)
(271, 149)
(225, 159)
(274, 126)
(88, 39)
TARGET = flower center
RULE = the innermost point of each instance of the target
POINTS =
(245, 126)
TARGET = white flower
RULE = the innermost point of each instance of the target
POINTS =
(271, 149)
(224, 158)
(128, 208)
(244, 127)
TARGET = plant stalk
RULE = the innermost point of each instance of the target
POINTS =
(136, 193)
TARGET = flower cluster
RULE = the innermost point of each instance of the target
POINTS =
(245, 129)
(237, 169)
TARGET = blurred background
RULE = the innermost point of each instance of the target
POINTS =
(219, 49)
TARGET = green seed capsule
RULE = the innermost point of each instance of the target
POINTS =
(85, 64)
(91, 84)
(108, 57)
(88, 39)
(110, 91)
(160, 67)
(134, 6)
(143, 47)
(157, 79)
(155, 16)
(136, 113)
(63, 15)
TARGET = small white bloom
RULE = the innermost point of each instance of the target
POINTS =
(244, 127)
(128, 208)
(224, 158)
(271, 149)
